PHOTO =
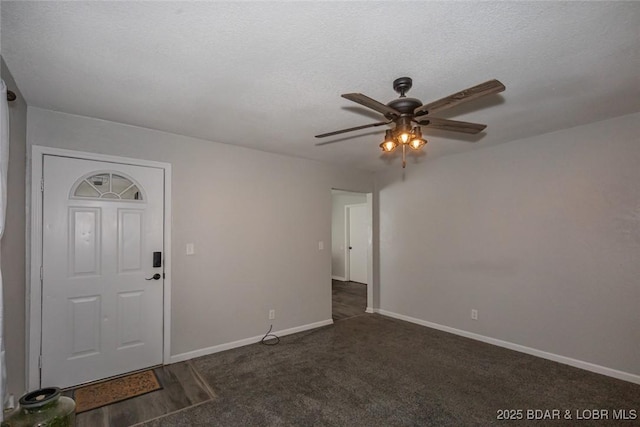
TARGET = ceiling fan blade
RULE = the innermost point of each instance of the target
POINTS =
(372, 103)
(451, 125)
(486, 88)
(352, 129)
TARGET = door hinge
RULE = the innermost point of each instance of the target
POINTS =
(40, 362)
(42, 185)
(41, 274)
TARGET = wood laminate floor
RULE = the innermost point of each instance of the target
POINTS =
(349, 299)
(182, 387)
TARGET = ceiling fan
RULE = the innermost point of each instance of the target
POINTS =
(404, 112)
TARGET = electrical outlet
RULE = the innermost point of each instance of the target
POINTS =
(190, 249)
(272, 314)
(474, 314)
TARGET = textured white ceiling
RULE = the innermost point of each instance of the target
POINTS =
(269, 75)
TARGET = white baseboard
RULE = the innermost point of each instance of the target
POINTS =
(342, 279)
(369, 310)
(625, 376)
(240, 343)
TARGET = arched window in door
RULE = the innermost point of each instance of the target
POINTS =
(107, 185)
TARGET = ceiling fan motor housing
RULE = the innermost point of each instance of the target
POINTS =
(405, 106)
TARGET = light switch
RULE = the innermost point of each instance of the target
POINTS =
(320, 245)
(190, 249)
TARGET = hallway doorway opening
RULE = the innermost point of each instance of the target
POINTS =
(351, 253)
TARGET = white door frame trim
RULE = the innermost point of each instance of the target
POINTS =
(34, 290)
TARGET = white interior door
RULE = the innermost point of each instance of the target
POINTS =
(101, 224)
(358, 243)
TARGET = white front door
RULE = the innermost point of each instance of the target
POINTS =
(102, 222)
(358, 243)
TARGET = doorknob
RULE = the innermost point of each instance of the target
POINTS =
(350, 248)
(156, 276)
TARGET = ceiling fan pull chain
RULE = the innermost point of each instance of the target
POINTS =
(404, 156)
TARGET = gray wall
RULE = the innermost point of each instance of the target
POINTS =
(13, 243)
(541, 236)
(339, 200)
(255, 218)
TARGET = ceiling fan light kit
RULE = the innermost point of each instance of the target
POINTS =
(403, 138)
(404, 112)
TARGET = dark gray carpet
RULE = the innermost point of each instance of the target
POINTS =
(376, 371)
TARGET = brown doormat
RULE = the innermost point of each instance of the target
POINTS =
(107, 392)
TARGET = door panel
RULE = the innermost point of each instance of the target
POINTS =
(84, 241)
(130, 306)
(100, 317)
(130, 240)
(84, 319)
